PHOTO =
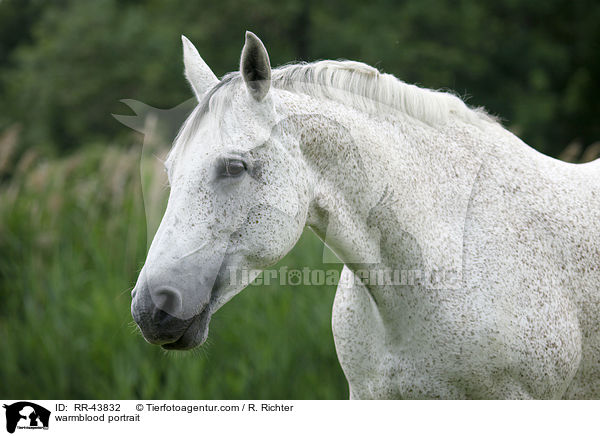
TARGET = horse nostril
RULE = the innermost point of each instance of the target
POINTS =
(168, 300)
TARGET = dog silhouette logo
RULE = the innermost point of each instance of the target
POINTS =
(26, 415)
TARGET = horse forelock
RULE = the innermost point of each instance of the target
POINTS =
(213, 102)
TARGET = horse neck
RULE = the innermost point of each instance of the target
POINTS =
(387, 190)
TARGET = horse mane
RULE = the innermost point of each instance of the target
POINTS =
(348, 82)
(367, 89)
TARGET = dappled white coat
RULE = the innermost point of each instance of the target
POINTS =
(395, 177)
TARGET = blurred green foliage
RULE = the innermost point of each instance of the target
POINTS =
(66, 64)
(72, 228)
(72, 244)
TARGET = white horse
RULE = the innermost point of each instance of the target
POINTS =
(501, 242)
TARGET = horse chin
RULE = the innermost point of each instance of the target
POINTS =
(195, 334)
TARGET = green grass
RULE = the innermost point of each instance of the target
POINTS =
(72, 240)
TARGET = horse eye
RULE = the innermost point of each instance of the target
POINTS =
(233, 167)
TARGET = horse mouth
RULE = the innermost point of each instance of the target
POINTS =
(194, 335)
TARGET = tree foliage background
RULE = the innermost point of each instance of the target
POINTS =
(72, 224)
(65, 65)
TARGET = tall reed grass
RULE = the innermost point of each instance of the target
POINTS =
(72, 240)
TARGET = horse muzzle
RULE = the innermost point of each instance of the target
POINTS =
(158, 312)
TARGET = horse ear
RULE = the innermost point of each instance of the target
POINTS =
(255, 67)
(199, 75)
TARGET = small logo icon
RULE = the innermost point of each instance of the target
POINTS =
(26, 415)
